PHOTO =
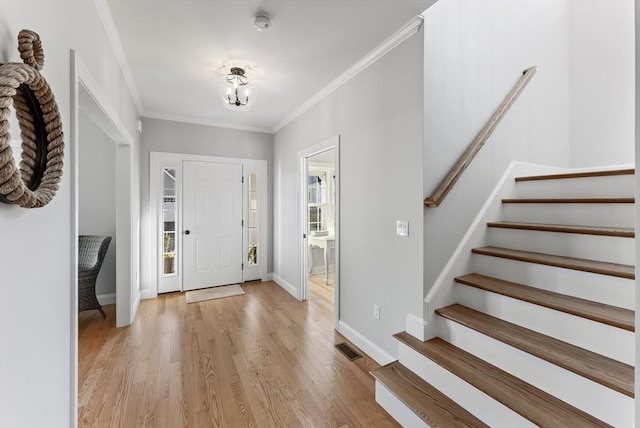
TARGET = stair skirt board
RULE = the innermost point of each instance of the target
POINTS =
(611, 290)
(612, 215)
(472, 399)
(594, 336)
(569, 387)
(610, 249)
(396, 408)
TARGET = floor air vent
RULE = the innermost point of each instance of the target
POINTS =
(348, 351)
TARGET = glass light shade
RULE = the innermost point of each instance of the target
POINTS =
(229, 92)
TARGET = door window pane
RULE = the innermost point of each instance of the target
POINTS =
(253, 223)
(168, 238)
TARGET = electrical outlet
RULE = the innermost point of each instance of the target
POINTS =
(402, 228)
(376, 311)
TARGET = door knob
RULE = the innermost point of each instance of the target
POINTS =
(186, 232)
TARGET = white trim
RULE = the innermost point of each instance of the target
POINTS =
(381, 50)
(99, 110)
(104, 12)
(204, 121)
(146, 294)
(107, 299)
(378, 354)
(159, 159)
(601, 168)
(284, 284)
(415, 326)
(302, 157)
(396, 408)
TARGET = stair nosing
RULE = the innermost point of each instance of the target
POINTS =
(568, 200)
(619, 232)
(550, 349)
(433, 396)
(522, 397)
(574, 175)
(546, 299)
(583, 265)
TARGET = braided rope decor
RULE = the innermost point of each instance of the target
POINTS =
(23, 87)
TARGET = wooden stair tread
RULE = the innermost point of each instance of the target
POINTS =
(569, 201)
(603, 370)
(593, 266)
(530, 402)
(583, 230)
(427, 402)
(608, 173)
(600, 312)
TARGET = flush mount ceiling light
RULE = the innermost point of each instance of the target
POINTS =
(262, 22)
(239, 95)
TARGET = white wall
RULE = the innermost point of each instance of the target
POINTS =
(380, 173)
(179, 137)
(474, 54)
(97, 194)
(602, 74)
(35, 264)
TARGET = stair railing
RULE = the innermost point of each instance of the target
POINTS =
(456, 171)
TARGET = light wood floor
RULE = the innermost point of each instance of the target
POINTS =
(261, 360)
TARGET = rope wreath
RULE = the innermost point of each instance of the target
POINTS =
(23, 87)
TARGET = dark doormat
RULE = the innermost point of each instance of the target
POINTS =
(348, 351)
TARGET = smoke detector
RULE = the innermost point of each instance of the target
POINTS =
(262, 22)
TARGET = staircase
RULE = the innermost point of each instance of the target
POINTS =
(542, 331)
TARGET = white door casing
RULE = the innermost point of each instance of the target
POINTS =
(212, 222)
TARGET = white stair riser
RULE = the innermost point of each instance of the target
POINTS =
(606, 289)
(473, 400)
(396, 408)
(602, 248)
(620, 186)
(576, 390)
(612, 215)
(603, 339)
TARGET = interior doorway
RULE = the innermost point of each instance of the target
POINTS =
(319, 208)
(88, 103)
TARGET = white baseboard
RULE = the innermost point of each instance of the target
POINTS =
(284, 284)
(378, 354)
(147, 294)
(107, 299)
(316, 270)
(267, 277)
(136, 304)
(415, 326)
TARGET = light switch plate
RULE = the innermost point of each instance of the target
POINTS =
(402, 228)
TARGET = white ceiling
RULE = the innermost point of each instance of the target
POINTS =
(178, 51)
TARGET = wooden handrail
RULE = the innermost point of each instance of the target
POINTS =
(456, 171)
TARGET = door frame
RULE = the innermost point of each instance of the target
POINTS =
(328, 144)
(87, 95)
(158, 160)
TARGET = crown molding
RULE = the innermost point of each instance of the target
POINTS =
(381, 50)
(206, 122)
(116, 45)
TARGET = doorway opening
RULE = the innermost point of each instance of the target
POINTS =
(319, 208)
(92, 114)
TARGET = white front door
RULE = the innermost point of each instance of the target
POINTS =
(212, 222)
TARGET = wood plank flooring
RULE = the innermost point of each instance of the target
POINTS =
(259, 360)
